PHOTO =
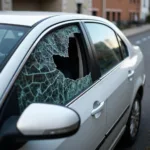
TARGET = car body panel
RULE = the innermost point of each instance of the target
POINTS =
(139, 76)
(24, 18)
(119, 90)
(31, 18)
(113, 86)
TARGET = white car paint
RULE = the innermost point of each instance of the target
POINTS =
(109, 89)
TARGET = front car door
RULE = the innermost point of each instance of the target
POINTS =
(58, 72)
(114, 78)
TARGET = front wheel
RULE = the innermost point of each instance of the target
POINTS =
(133, 122)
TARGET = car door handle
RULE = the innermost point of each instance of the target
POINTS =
(131, 73)
(98, 109)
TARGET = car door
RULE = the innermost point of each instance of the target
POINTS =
(59, 71)
(116, 78)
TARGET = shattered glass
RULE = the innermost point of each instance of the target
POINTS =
(40, 81)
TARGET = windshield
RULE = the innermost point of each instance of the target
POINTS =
(10, 36)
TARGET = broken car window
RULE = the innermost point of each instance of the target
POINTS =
(51, 74)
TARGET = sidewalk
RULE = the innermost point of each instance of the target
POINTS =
(136, 30)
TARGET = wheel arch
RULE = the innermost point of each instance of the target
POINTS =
(140, 91)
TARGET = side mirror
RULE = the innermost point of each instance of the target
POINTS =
(42, 121)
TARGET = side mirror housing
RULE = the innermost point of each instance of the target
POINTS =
(42, 121)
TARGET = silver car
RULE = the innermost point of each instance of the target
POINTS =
(67, 82)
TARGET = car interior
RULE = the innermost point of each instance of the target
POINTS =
(72, 66)
(5, 48)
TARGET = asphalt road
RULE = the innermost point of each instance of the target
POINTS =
(143, 139)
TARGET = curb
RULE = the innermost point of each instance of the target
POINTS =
(135, 31)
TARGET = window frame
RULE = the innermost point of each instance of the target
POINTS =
(117, 36)
(94, 51)
(79, 8)
(118, 16)
(94, 12)
(113, 16)
(108, 15)
(84, 57)
(83, 52)
(27, 55)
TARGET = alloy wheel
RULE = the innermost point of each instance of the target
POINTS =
(135, 119)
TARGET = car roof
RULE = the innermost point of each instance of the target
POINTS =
(24, 18)
(29, 18)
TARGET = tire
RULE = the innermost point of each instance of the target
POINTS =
(133, 123)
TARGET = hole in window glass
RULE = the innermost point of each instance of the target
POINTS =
(69, 66)
(79, 8)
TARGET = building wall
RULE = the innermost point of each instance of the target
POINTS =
(134, 10)
(71, 6)
(87, 5)
(129, 9)
(116, 6)
(118, 10)
(144, 9)
(5, 4)
(51, 5)
(97, 7)
(33, 5)
(37, 5)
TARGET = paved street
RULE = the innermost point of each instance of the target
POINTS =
(143, 140)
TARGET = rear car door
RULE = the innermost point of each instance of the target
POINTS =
(115, 79)
(59, 71)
